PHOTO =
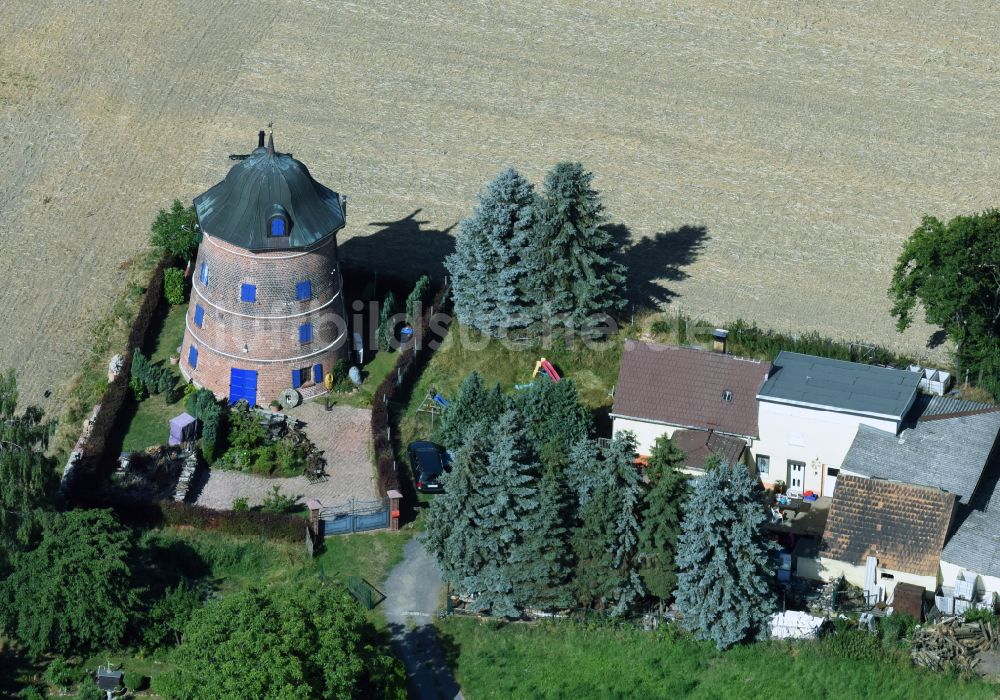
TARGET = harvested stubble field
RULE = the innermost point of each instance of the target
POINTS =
(806, 138)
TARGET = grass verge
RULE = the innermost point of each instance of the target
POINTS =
(561, 660)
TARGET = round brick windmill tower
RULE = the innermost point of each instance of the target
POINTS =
(267, 310)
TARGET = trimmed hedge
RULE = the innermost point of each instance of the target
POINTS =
(407, 369)
(247, 523)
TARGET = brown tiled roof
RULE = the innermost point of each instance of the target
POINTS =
(699, 445)
(685, 387)
(904, 526)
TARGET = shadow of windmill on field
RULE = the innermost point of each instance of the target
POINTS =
(654, 260)
(402, 248)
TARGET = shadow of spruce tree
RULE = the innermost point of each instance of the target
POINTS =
(403, 248)
(654, 260)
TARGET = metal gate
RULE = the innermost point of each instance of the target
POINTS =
(354, 516)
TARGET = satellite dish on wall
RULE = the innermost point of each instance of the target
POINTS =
(291, 398)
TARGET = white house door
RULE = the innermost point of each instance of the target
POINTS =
(796, 475)
(830, 480)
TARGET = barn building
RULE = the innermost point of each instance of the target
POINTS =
(267, 311)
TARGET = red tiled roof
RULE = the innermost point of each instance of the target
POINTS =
(904, 526)
(699, 445)
(685, 387)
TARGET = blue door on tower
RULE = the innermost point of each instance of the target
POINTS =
(243, 385)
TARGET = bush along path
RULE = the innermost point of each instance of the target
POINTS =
(413, 591)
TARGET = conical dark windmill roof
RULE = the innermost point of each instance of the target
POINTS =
(239, 209)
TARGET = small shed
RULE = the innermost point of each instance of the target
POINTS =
(908, 598)
(108, 680)
(183, 428)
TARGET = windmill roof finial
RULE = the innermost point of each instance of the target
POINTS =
(270, 138)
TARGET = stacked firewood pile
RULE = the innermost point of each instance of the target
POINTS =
(953, 644)
(188, 469)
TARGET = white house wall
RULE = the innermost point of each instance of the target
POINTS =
(818, 438)
(824, 569)
(984, 584)
(645, 432)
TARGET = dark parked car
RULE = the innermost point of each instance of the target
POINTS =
(428, 462)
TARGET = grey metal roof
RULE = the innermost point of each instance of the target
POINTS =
(975, 543)
(946, 453)
(930, 407)
(840, 385)
(239, 208)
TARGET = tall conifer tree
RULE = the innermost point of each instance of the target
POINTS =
(663, 511)
(573, 276)
(607, 541)
(723, 584)
(487, 265)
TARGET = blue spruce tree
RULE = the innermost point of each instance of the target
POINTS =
(723, 585)
(556, 419)
(487, 265)
(607, 541)
(473, 404)
(573, 277)
(451, 528)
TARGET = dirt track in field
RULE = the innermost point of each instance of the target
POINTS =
(806, 139)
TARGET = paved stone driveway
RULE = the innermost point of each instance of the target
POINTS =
(341, 433)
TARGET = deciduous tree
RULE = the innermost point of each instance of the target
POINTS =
(306, 641)
(27, 476)
(952, 271)
(175, 232)
(723, 584)
(72, 593)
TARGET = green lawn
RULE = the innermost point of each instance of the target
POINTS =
(148, 421)
(569, 660)
(594, 370)
(372, 375)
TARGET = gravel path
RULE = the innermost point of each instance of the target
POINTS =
(342, 434)
(413, 591)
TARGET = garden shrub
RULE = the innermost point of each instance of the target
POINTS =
(62, 674)
(275, 526)
(149, 378)
(173, 286)
(984, 615)
(240, 504)
(418, 297)
(278, 502)
(203, 405)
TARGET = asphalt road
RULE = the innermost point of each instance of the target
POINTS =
(413, 591)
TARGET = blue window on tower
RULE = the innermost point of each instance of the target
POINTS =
(305, 333)
(304, 290)
(193, 357)
(299, 377)
(318, 373)
(199, 316)
(279, 227)
(203, 273)
(248, 292)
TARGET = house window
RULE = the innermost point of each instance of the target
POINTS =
(796, 472)
(199, 316)
(305, 333)
(193, 357)
(318, 373)
(300, 377)
(304, 290)
(763, 464)
(203, 273)
(248, 293)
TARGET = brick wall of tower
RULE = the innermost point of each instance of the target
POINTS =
(264, 335)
